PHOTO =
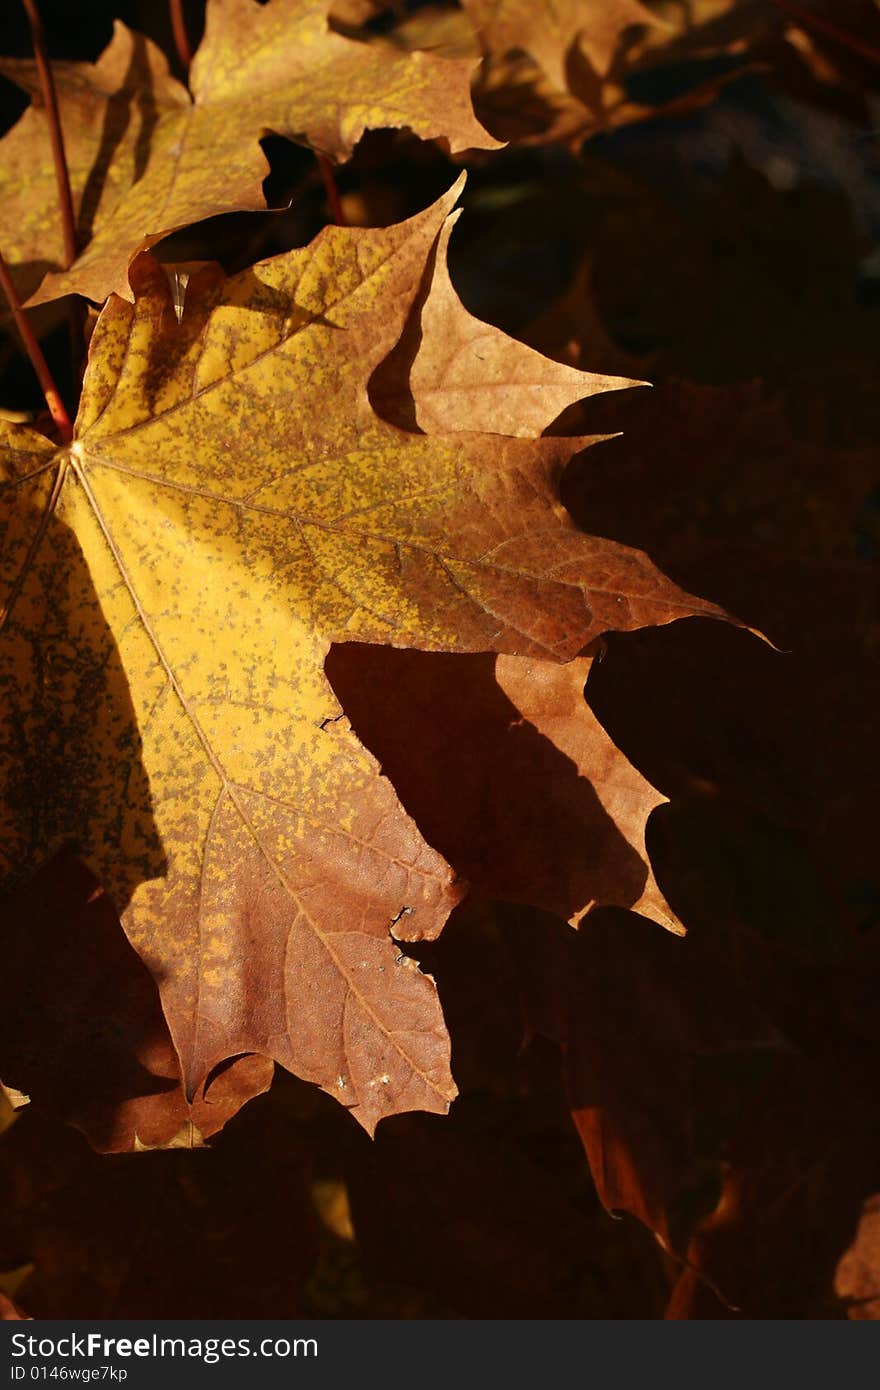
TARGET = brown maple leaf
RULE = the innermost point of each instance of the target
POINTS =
(233, 1230)
(508, 773)
(555, 71)
(146, 156)
(857, 1278)
(631, 1007)
(451, 372)
(230, 506)
(551, 31)
(469, 1217)
(81, 1025)
(795, 1176)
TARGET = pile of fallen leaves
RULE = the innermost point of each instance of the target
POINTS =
(296, 632)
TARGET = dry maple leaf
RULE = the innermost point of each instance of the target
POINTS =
(81, 1025)
(508, 773)
(550, 31)
(857, 1278)
(452, 372)
(800, 1172)
(163, 1238)
(471, 1217)
(230, 505)
(555, 70)
(146, 158)
(630, 1007)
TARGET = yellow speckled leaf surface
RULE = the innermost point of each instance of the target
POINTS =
(172, 583)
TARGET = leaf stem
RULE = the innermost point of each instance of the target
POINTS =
(181, 38)
(820, 25)
(35, 353)
(332, 191)
(62, 176)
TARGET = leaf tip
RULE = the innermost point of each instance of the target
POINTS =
(457, 188)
